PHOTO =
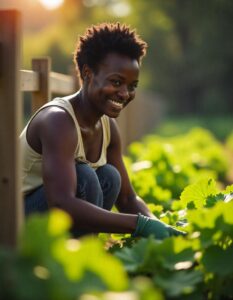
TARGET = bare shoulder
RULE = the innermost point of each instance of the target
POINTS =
(52, 125)
(54, 117)
(57, 125)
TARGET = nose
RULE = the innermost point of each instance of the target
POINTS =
(123, 92)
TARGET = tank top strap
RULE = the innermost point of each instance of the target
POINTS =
(106, 128)
(65, 104)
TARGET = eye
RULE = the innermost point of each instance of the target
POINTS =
(116, 82)
(133, 87)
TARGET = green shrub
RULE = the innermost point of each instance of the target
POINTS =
(161, 168)
(198, 266)
(49, 264)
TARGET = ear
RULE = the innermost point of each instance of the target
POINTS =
(86, 72)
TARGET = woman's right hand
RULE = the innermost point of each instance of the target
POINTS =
(147, 226)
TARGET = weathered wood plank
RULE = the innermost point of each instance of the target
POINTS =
(61, 84)
(29, 81)
(11, 212)
(43, 67)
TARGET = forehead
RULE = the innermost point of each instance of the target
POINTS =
(123, 65)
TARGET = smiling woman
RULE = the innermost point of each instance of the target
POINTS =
(71, 147)
(51, 4)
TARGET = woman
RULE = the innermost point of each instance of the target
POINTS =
(71, 146)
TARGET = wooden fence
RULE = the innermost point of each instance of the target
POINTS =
(10, 123)
(41, 82)
(134, 121)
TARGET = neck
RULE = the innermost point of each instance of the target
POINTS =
(87, 115)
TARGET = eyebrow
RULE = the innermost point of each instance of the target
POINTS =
(122, 77)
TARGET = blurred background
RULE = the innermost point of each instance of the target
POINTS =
(188, 70)
(186, 81)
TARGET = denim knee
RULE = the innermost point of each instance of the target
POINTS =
(88, 186)
(110, 181)
(36, 202)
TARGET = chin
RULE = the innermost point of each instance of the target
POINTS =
(114, 115)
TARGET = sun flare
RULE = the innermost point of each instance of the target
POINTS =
(51, 4)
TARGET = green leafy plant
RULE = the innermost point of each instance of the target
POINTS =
(198, 266)
(161, 168)
(181, 180)
(51, 265)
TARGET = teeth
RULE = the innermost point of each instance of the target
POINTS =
(120, 105)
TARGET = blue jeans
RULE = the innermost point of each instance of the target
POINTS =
(100, 187)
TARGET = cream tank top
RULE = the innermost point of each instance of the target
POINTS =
(32, 161)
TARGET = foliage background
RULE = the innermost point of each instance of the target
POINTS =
(190, 58)
(190, 63)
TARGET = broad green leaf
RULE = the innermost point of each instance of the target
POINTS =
(146, 289)
(77, 257)
(133, 257)
(198, 192)
(73, 265)
(206, 217)
(218, 260)
(215, 224)
(179, 283)
(150, 255)
(35, 240)
(213, 199)
(229, 189)
(155, 209)
(167, 254)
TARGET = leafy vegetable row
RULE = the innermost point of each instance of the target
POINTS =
(183, 181)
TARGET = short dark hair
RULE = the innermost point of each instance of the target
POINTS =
(100, 40)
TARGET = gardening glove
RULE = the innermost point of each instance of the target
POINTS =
(147, 226)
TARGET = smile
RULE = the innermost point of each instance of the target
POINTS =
(116, 104)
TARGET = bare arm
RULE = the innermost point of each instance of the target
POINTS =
(58, 138)
(128, 201)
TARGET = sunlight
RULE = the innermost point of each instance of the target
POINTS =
(51, 4)
(120, 9)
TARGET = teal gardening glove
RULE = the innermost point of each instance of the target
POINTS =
(147, 226)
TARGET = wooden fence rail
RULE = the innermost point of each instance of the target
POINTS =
(42, 82)
(60, 83)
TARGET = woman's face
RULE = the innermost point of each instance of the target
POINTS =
(114, 85)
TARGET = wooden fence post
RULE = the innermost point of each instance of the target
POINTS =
(11, 212)
(43, 67)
